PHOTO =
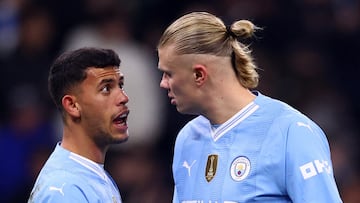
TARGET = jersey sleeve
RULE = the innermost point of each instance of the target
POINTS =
(309, 172)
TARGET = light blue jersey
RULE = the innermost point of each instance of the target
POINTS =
(68, 177)
(267, 152)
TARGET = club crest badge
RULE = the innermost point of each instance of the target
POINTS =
(211, 166)
(240, 168)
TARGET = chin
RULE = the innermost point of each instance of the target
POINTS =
(181, 110)
(121, 138)
(118, 141)
(185, 111)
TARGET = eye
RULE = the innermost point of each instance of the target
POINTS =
(105, 89)
(121, 85)
(167, 75)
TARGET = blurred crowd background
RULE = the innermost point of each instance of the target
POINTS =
(306, 54)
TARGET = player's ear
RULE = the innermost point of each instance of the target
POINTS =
(71, 106)
(200, 73)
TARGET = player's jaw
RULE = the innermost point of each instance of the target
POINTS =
(185, 104)
(180, 103)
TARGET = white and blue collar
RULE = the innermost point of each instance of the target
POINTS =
(233, 121)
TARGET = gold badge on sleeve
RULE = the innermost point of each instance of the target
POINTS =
(211, 166)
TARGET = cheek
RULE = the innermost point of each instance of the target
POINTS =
(175, 88)
(96, 107)
(91, 113)
(182, 90)
(178, 85)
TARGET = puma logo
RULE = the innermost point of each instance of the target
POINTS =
(57, 189)
(188, 167)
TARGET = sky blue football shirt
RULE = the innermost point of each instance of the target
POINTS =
(68, 177)
(267, 152)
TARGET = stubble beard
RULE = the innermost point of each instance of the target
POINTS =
(104, 140)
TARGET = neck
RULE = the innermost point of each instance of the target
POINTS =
(227, 104)
(79, 143)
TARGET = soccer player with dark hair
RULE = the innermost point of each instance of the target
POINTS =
(87, 87)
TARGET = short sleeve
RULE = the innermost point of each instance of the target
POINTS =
(309, 172)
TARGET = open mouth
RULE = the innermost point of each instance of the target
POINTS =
(172, 101)
(121, 119)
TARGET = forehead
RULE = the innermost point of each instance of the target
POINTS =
(169, 59)
(166, 54)
(110, 71)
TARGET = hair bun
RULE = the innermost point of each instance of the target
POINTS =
(243, 28)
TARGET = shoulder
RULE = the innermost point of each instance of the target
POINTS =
(280, 112)
(290, 122)
(61, 186)
(61, 179)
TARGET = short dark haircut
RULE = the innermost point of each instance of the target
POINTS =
(69, 69)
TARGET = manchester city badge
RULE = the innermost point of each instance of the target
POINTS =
(240, 168)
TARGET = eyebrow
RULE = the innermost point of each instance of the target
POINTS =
(106, 81)
(161, 68)
(110, 80)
